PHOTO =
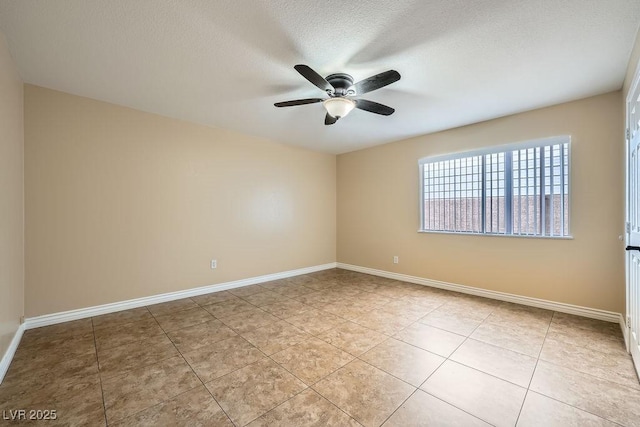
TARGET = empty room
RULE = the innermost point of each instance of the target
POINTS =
(339, 213)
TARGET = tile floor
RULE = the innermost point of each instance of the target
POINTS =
(329, 348)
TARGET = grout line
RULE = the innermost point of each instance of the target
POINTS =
(278, 405)
(280, 365)
(154, 363)
(119, 325)
(355, 357)
(104, 405)
(388, 337)
(575, 407)
(199, 379)
(257, 361)
(291, 397)
(469, 337)
(400, 406)
(179, 352)
(308, 386)
(535, 368)
(448, 358)
(157, 404)
(234, 370)
(460, 409)
(617, 384)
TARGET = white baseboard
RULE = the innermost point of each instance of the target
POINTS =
(625, 331)
(592, 313)
(83, 313)
(11, 351)
(51, 319)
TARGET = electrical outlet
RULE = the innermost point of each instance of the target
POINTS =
(395, 259)
(214, 264)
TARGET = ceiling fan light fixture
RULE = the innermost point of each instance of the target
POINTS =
(338, 107)
(339, 86)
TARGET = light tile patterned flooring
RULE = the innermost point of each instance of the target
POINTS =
(329, 348)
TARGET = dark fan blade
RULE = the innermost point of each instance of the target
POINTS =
(298, 102)
(329, 119)
(374, 107)
(376, 82)
(314, 78)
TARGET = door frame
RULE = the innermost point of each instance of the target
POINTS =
(635, 82)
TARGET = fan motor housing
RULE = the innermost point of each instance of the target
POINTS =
(341, 82)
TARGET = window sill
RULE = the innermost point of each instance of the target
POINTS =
(461, 233)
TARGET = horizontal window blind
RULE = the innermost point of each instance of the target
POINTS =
(518, 190)
(453, 195)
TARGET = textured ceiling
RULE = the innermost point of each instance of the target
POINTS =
(224, 63)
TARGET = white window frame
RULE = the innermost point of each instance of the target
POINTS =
(506, 148)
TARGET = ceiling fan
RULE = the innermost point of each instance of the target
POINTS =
(341, 89)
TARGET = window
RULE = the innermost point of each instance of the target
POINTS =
(514, 190)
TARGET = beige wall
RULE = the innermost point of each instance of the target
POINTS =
(123, 204)
(11, 199)
(378, 211)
